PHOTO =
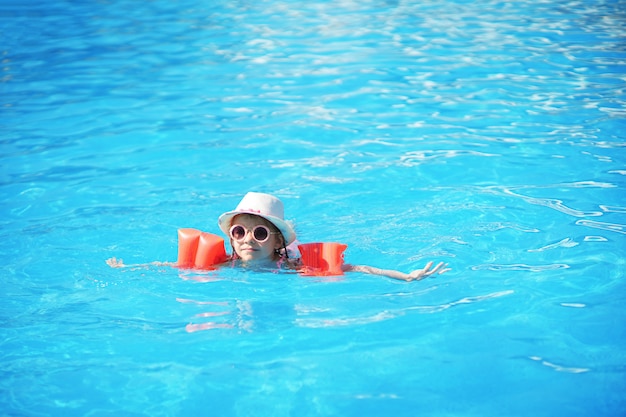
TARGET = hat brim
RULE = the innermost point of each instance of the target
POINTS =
(224, 222)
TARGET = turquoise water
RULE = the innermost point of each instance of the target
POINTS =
(488, 134)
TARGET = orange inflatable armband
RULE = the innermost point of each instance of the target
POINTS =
(199, 250)
(210, 251)
(322, 259)
(187, 247)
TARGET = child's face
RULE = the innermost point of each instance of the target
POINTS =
(248, 248)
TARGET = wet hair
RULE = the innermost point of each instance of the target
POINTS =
(280, 254)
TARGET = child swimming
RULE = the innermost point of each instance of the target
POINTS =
(259, 234)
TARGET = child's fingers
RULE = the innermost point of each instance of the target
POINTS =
(427, 267)
(437, 268)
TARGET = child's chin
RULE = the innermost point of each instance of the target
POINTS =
(252, 258)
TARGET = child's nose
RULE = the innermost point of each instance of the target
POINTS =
(249, 237)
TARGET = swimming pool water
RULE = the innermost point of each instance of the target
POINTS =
(487, 134)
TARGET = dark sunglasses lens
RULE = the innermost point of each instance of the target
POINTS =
(261, 233)
(238, 232)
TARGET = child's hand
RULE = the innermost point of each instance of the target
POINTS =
(114, 263)
(419, 274)
(413, 276)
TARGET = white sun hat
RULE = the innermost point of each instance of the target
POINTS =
(262, 205)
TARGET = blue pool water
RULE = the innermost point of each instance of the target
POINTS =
(486, 134)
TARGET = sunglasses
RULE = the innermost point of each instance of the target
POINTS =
(260, 233)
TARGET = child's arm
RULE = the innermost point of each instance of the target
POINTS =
(416, 275)
(119, 263)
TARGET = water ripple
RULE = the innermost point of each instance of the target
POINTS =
(611, 227)
(465, 300)
(554, 204)
(559, 368)
(520, 267)
(391, 314)
(564, 243)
